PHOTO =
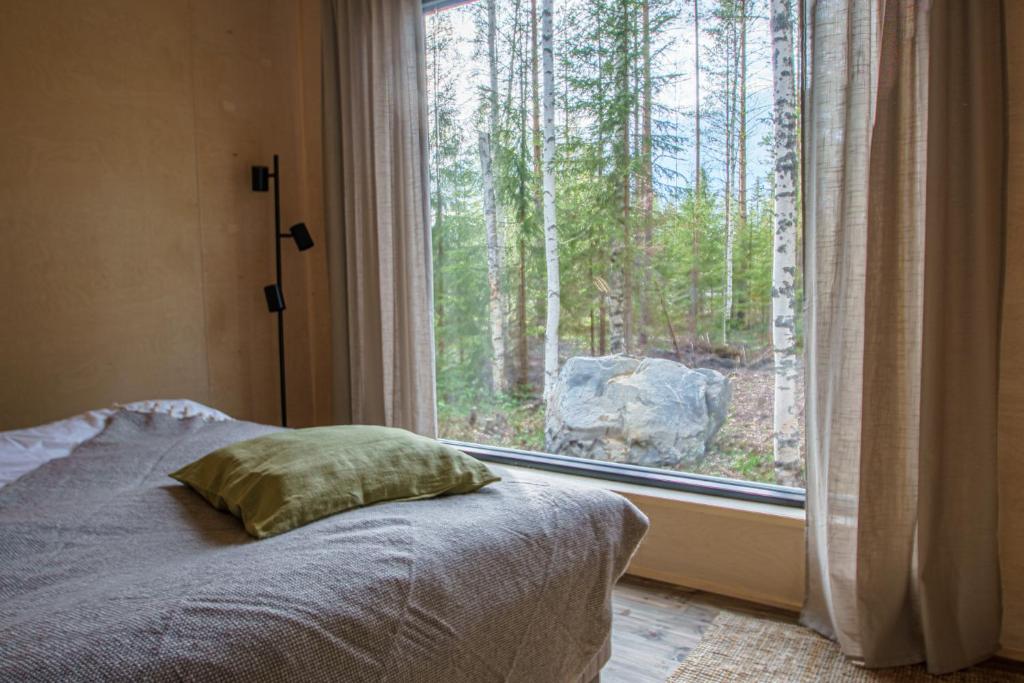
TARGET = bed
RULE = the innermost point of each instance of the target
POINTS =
(109, 570)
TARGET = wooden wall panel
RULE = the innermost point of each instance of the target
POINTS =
(754, 554)
(99, 253)
(233, 76)
(134, 253)
(1011, 426)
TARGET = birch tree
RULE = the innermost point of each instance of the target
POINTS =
(487, 142)
(621, 282)
(550, 228)
(786, 433)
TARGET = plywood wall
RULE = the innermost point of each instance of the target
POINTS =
(1011, 427)
(132, 252)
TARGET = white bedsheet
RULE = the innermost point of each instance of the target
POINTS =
(23, 450)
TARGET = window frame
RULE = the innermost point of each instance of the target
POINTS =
(735, 489)
(721, 487)
(430, 6)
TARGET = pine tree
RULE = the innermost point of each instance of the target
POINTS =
(741, 141)
(646, 179)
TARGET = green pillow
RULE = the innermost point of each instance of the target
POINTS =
(281, 481)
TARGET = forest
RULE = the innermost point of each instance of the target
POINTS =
(617, 177)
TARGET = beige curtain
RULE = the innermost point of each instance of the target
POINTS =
(904, 136)
(378, 232)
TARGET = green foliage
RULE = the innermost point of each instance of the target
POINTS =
(460, 274)
(513, 420)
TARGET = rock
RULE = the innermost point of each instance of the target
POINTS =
(651, 411)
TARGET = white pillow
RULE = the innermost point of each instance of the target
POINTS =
(23, 450)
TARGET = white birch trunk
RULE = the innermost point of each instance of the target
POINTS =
(786, 425)
(548, 185)
(616, 309)
(493, 267)
(494, 246)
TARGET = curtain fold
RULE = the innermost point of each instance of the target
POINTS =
(904, 139)
(376, 213)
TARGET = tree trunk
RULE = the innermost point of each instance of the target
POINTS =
(535, 96)
(438, 232)
(523, 203)
(786, 424)
(493, 261)
(616, 306)
(621, 256)
(593, 320)
(730, 168)
(602, 325)
(522, 346)
(550, 229)
(646, 177)
(439, 293)
(748, 287)
(741, 112)
(698, 209)
(668, 324)
(487, 143)
(602, 254)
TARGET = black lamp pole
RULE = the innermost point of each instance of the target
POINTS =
(274, 293)
(280, 311)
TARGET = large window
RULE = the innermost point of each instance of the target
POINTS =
(616, 252)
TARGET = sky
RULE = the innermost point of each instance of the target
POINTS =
(678, 96)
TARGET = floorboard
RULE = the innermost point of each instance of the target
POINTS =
(656, 625)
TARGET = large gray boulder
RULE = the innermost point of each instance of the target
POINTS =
(649, 411)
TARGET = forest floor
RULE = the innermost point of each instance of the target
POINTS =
(742, 449)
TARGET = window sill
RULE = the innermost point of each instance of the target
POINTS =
(662, 495)
(618, 477)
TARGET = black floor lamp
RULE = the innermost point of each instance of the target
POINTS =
(261, 176)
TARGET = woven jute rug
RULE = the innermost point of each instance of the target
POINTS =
(743, 648)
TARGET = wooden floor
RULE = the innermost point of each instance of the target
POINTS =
(657, 625)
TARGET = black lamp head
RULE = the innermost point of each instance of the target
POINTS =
(260, 178)
(275, 298)
(300, 234)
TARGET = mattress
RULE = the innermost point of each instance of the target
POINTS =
(109, 570)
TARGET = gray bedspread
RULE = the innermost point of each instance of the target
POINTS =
(110, 570)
